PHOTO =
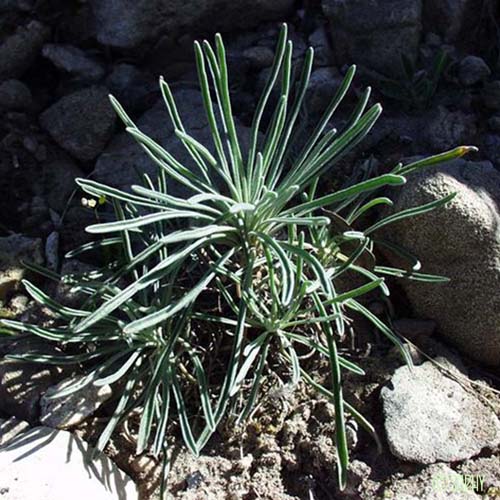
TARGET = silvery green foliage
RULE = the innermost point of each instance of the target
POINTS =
(246, 266)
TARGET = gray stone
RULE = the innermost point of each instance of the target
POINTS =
(430, 418)
(14, 249)
(374, 33)
(74, 61)
(472, 70)
(21, 5)
(68, 411)
(81, 123)
(57, 466)
(11, 428)
(447, 17)
(435, 482)
(460, 241)
(486, 467)
(446, 129)
(127, 24)
(18, 51)
(14, 95)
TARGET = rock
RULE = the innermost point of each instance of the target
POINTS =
(59, 182)
(430, 418)
(473, 70)
(446, 129)
(374, 33)
(71, 269)
(135, 89)
(415, 329)
(436, 482)
(81, 123)
(259, 57)
(56, 464)
(21, 385)
(18, 51)
(21, 5)
(74, 61)
(125, 24)
(70, 410)
(491, 148)
(15, 95)
(494, 123)
(14, 249)
(52, 251)
(124, 153)
(486, 467)
(11, 428)
(319, 41)
(447, 18)
(460, 241)
(491, 95)
(323, 84)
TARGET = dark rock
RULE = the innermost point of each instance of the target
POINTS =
(447, 129)
(71, 269)
(374, 33)
(20, 5)
(125, 24)
(447, 17)
(319, 41)
(491, 95)
(452, 425)
(59, 182)
(18, 52)
(323, 84)
(81, 123)
(461, 241)
(14, 95)
(491, 147)
(13, 250)
(494, 123)
(415, 329)
(135, 89)
(473, 70)
(21, 386)
(259, 56)
(74, 61)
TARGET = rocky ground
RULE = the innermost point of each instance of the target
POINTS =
(439, 424)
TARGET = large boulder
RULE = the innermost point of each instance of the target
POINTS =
(430, 418)
(374, 33)
(460, 241)
(55, 465)
(81, 123)
(131, 23)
